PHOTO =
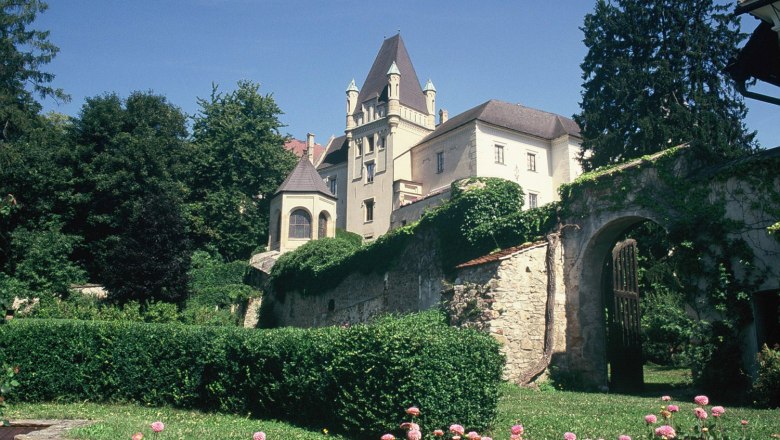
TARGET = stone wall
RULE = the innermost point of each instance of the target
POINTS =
(504, 294)
(508, 298)
(412, 282)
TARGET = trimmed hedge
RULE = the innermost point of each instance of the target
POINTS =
(356, 380)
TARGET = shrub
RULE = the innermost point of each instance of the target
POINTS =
(353, 380)
(666, 327)
(303, 265)
(766, 389)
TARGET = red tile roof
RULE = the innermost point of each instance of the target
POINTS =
(503, 254)
(299, 148)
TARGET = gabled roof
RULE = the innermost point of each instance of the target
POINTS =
(298, 148)
(514, 117)
(304, 178)
(394, 50)
(335, 152)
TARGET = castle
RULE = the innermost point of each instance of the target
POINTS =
(395, 160)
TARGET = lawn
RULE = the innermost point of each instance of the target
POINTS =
(544, 414)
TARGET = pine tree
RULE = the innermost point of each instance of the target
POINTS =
(652, 80)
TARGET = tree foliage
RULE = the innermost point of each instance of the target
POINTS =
(128, 161)
(652, 80)
(23, 53)
(239, 162)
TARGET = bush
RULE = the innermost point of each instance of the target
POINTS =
(355, 380)
(666, 327)
(306, 263)
(766, 389)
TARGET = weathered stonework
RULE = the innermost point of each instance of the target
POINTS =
(508, 299)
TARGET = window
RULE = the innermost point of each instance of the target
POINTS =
(533, 200)
(439, 162)
(500, 154)
(300, 224)
(322, 226)
(369, 210)
(370, 172)
(370, 143)
(359, 147)
(382, 142)
(333, 185)
(531, 162)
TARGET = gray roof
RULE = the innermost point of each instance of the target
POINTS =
(394, 50)
(304, 178)
(514, 117)
(335, 153)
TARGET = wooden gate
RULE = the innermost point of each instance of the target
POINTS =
(622, 299)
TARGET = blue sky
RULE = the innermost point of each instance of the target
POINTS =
(305, 53)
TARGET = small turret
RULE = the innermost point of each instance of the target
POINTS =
(310, 147)
(393, 96)
(430, 102)
(352, 97)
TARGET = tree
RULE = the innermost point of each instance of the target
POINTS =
(239, 162)
(22, 54)
(652, 80)
(150, 258)
(128, 160)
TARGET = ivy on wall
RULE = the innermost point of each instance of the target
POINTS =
(714, 260)
(484, 214)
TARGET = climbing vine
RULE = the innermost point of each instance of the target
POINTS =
(715, 216)
(484, 214)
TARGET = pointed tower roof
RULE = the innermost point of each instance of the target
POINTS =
(393, 51)
(352, 87)
(429, 86)
(393, 70)
(304, 178)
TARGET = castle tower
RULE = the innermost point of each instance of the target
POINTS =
(385, 117)
(430, 101)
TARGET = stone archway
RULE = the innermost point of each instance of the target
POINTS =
(586, 248)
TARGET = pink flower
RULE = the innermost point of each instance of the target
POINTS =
(743, 422)
(518, 429)
(158, 426)
(473, 436)
(413, 411)
(717, 411)
(515, 437)
(666, 398)
(258, 436)
(665, 431)
(457, 429)
(701, 400)
(650, 419)
(388, 437)
(673, 408)
(700, 413)
(410, 426)
(624, 437)
(438, 433)
(414, 434)
(569, 436)
(137, 436)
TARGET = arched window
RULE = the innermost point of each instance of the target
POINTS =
(300, 224)
(322, 230)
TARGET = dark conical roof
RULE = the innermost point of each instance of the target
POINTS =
(394, 50)
(304, 178)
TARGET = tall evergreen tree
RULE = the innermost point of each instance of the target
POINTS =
(23, 53)
(238, 164)
(652, 80)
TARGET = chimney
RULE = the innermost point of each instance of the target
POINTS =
(443, 116)
(310, 147)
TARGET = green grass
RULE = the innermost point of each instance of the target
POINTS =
(545, 415)
(122, 421)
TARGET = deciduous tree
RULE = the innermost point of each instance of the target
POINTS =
(239, 163)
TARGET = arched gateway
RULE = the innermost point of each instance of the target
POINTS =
(722, 212)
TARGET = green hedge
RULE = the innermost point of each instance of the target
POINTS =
(357, 380)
